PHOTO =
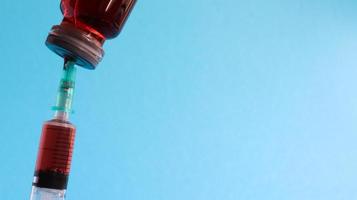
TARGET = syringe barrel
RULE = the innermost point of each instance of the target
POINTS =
(47, 194)
(53, 160)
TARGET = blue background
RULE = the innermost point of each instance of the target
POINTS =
(197, 100)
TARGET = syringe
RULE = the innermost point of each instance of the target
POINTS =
(56, 145)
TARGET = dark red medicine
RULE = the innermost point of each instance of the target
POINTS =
(103, 17)
(54, 155)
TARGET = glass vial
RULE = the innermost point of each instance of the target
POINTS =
(86, 25)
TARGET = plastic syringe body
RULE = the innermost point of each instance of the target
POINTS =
(56, 144)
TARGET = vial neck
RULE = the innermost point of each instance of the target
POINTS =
(82, 44)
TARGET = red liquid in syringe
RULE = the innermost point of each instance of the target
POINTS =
(55, 154)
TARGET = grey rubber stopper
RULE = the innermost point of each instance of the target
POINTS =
(75, 44)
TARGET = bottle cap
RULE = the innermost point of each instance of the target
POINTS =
(75, 44)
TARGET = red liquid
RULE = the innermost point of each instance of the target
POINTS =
(56, 147)
(104, 18)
